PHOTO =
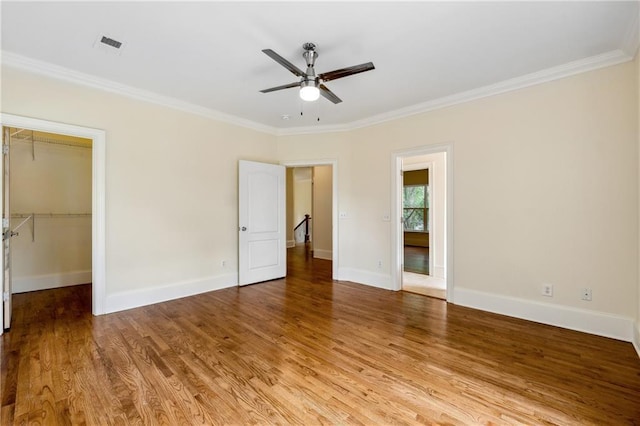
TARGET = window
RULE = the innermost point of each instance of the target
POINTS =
(415, 204)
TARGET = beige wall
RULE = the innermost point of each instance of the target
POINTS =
(290, 199)
(58, 180)
(545, 189)
(171, 181)
(322, 211)
(302, 204)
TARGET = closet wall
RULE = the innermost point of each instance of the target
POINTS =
(50, 178)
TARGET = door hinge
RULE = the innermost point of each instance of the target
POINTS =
(5, 222)
(5, 149)
(5, 296)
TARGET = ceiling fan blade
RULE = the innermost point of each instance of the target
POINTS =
(284, 86)
(345, 72)
(282, 61)
(324, 91)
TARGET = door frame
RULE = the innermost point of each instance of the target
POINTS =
(98, 192)
(334, 206)
(396, 213)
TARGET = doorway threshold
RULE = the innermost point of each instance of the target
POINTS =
(426, 285)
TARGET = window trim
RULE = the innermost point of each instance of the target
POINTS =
(425, 209)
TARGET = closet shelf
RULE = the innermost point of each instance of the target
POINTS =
(21, 137)
(32, 217)
(29, 136)
(48, 215)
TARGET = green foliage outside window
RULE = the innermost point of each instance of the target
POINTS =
(415, 203)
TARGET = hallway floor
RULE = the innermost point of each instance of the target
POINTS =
(416, 278)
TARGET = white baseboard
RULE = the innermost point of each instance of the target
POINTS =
(48, 281)
(323, 254)
(636, 337)
(360, 276)
(598, 323)
(148, 296)
(291, 243)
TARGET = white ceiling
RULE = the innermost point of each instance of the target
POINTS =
(206, 56)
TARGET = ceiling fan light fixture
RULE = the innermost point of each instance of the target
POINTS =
(311, 84)
(309, 92)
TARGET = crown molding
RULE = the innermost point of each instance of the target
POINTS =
(550, 74)
(61, 73)
(631, 41)
(314, 130)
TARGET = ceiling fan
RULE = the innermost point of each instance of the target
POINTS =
(312, 85)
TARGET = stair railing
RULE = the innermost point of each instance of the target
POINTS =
(306, 220)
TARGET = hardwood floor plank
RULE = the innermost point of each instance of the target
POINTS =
(305, 350)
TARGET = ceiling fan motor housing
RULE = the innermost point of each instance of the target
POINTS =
(310, 56)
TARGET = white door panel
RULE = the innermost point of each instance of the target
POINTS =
(261, 221)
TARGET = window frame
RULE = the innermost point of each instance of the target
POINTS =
(425, 209)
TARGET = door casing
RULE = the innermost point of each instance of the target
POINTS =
(98, 189)
(334, 213)
(396, 213)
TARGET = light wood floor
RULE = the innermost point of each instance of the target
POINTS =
(305, 350)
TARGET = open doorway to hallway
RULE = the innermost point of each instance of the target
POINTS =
(423, 212)
(310, 211)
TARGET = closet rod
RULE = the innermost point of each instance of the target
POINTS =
(15, 233)
(45, 215)
(25, 138)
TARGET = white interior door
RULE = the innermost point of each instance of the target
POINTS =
(262, 247)
(6, 232)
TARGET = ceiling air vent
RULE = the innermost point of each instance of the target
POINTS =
(109, 45)
(110, 42)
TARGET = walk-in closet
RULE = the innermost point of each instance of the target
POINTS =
(49, 193)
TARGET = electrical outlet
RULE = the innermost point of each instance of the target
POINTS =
(547, 290)
(586, 294)
(379, 264)
(223, 263)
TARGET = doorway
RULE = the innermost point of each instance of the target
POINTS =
(423, 189)
(97, 207)
(422, 207)
(300, 207)
(49, 179)
(318, 180)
